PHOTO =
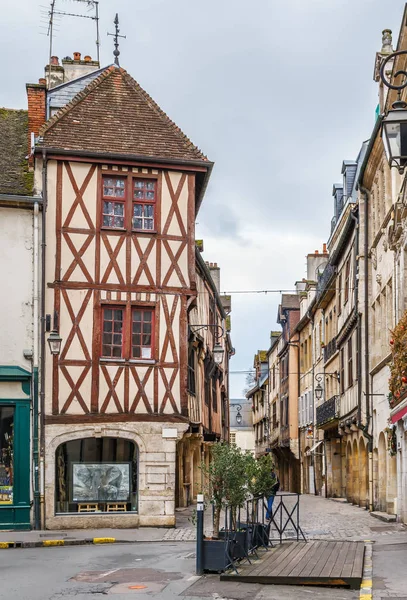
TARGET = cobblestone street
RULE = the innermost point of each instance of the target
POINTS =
(320, 518)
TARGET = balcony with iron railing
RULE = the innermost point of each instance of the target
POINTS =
(330, 349)
(328, 411)
(325, 278)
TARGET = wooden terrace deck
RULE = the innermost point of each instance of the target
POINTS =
(305, 563)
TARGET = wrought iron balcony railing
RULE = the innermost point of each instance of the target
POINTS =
(325, 278)
(328, 411)
(330, 349)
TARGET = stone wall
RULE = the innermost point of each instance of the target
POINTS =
(156, 477)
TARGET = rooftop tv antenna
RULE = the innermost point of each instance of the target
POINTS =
(92, 5)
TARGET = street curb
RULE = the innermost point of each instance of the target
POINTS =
(366, 587)
(83, 542)
(54, 543)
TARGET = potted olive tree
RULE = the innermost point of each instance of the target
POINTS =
(226, 485)
(260, 484)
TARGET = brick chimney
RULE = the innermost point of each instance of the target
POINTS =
(36, 99)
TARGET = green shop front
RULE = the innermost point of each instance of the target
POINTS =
(15, 402)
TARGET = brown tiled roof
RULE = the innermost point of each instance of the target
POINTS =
(114, 115)
(14, 175)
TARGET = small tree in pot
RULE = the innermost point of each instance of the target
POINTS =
(226, 481)
(260, 485)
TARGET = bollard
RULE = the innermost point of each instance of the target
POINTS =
(199, 534)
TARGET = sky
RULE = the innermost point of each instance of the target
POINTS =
(276, 92)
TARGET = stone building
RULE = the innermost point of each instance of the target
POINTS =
(258, 396)
(274, 392)
(241, 424)
(20, 256)
(309, 329)
(288, 316)
(380, 191)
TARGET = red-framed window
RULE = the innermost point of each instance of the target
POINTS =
(142, 330)
(128, 332)
(129, 202)
(112, 332)
(144, 197)
(113, 202)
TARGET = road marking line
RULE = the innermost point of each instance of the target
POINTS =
(105, 540)
(107, 573)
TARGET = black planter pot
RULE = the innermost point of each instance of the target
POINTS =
(260, 535)
(215, 557)
(239, 542)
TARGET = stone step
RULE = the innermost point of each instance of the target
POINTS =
(382, 516)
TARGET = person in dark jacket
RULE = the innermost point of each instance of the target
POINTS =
(275, 486)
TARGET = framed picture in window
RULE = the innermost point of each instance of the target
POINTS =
(101, 482)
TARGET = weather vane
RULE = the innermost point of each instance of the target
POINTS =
(116, 51)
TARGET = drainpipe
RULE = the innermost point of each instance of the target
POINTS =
(357, 314)
(365, 429)
(42, 340)
(37, 516)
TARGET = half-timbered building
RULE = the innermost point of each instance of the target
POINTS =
(122, 186)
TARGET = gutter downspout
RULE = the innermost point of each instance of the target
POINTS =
(356, 311)
(365, 429)
(37, 513)
(42, 341)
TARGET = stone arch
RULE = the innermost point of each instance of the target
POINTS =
(196, 473)
(363, 474)
(89, 431)
(349, 477)
(97, 473)
(306, 466)
(392, 484)
(355, 473)
(382, 473)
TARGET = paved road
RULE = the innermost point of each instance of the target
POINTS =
(145, 571)
(320, 518)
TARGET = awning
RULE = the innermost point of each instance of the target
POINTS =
(314, 447)
(399, 415)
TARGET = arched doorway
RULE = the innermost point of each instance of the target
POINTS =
(349, 480)
(96, 475)
(306, 470)
(392, 485)
(382, 473)
(355, 473)
(197, 474)
(363, 474)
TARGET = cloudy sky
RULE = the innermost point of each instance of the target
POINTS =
(276, 92)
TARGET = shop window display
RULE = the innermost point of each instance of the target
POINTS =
(6, 454)
(96, 475)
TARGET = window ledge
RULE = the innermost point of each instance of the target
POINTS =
(140, 361)
(107, 228)
(112, 360)
(148, 231)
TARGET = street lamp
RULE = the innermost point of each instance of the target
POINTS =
(218, 350)
(218, 353)
(394, 128)
(54, 342)
(239, 417)
(319, 390)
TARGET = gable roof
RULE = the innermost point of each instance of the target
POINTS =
(14, 175)
(114, 115)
